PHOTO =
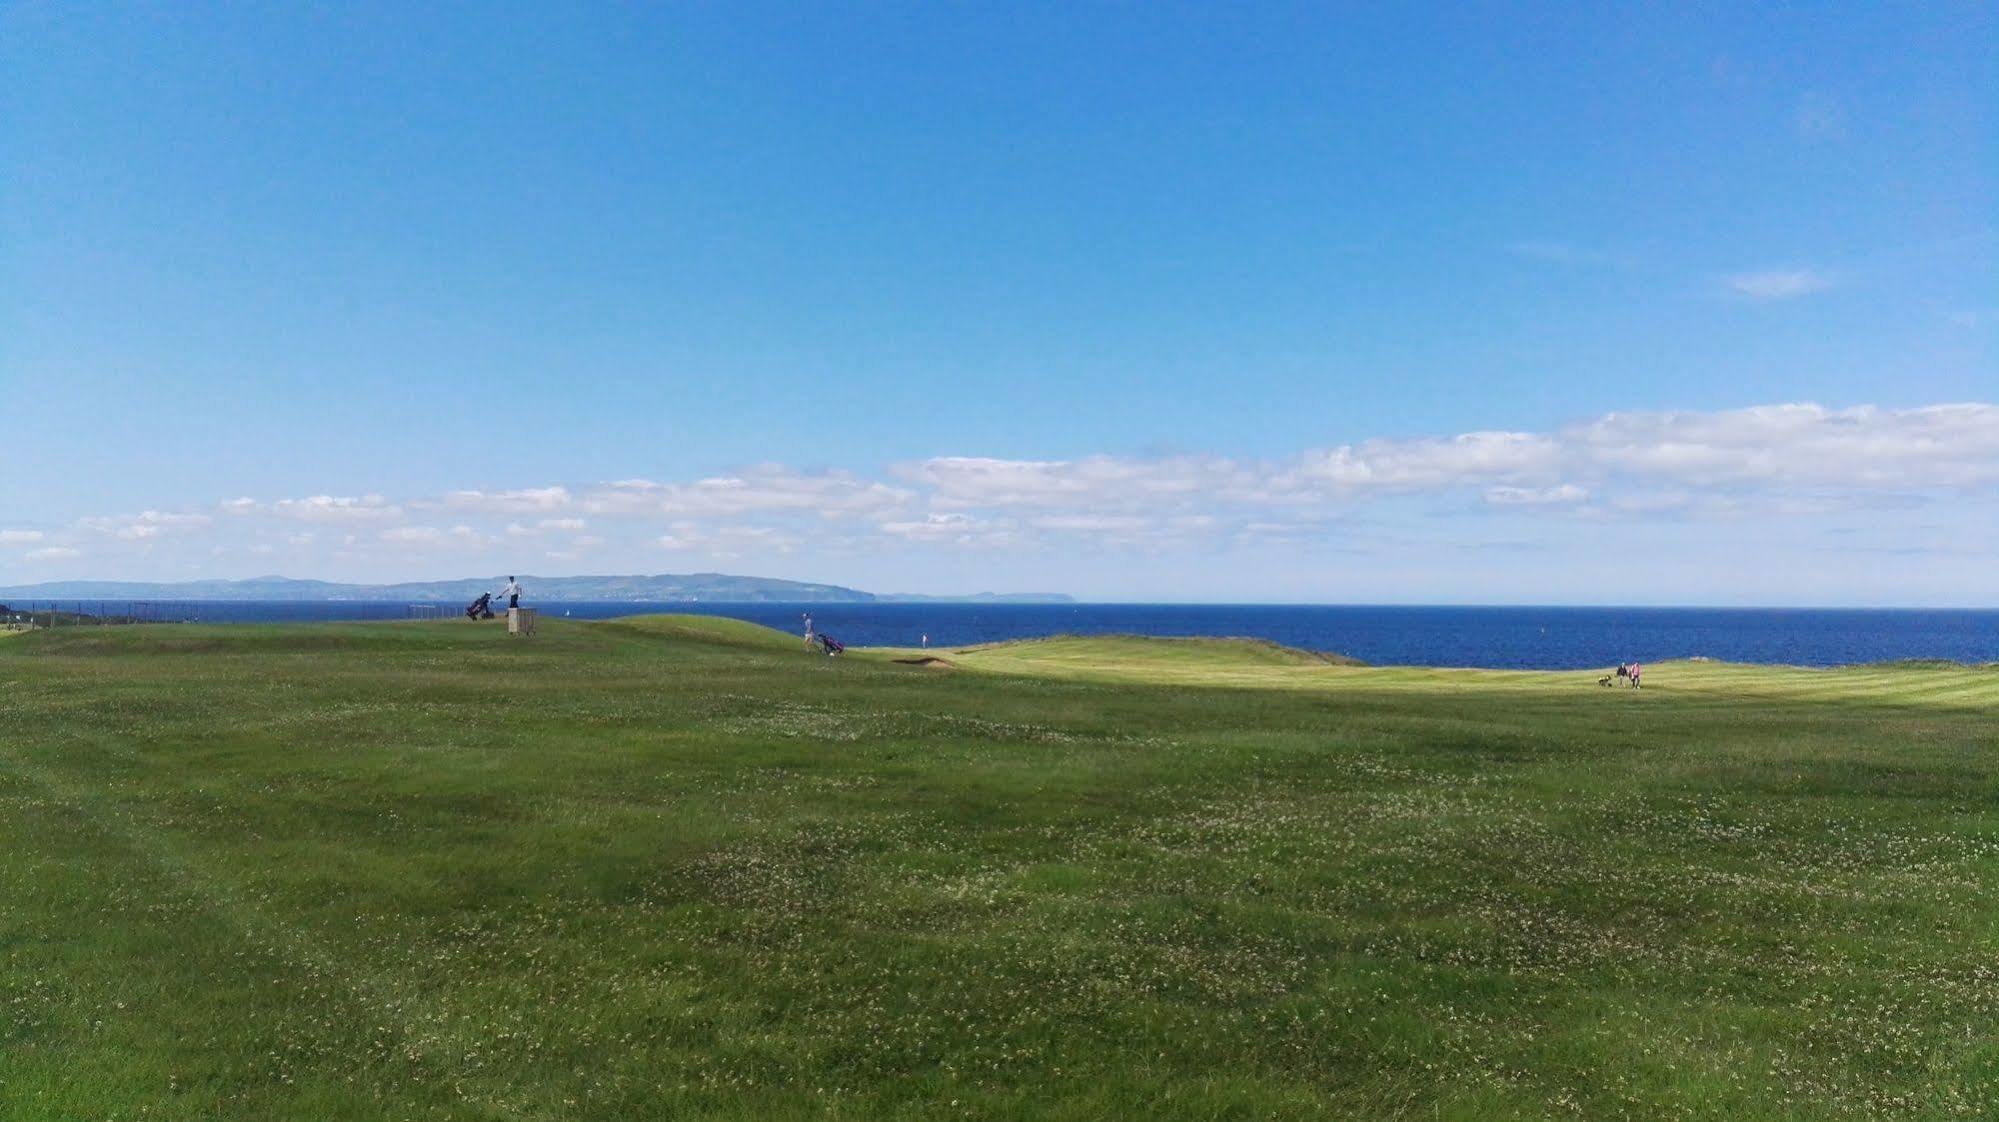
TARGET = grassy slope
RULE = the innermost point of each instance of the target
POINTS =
(1253, 664)
(678, 868)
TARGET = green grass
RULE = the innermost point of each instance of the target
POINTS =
(1258, 665)
(678, 868)
(1255, 664)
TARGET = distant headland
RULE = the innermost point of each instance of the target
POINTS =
(662, 587)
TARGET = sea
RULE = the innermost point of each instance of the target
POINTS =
(1550, 638)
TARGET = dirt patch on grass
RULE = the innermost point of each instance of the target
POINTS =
(930, 661)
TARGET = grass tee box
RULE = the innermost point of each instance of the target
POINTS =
(680, 868)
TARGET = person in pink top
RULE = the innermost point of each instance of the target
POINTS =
(1634, 675)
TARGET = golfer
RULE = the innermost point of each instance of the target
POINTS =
(512, 592)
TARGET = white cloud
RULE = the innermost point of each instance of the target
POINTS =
(433, 536)
(1130, 486)
(53, 553)
(1778, 284)
(338, 509)
(951, 527)
(728, 541)
(1863, 447)
(1092, 523)
(417, 534)
(576, 549)
(1775, 461)
(1536, 496)
(146, 524)
(767, 489)
(544, 526)
(1411, 465)
(972, 481)
(1104, 484)
(519, 501)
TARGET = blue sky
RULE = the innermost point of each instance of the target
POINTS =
(1690, 305)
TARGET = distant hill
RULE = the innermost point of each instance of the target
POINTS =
(686, 587)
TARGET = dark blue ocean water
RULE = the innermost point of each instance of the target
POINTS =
(1541, 638)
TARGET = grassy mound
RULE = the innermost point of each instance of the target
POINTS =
(1252, 664)
(713, 630)
(1193, 652)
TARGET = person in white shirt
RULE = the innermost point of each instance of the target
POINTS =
(512, 592)
(808, 630)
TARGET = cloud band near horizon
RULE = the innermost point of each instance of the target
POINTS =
(1766, 461)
